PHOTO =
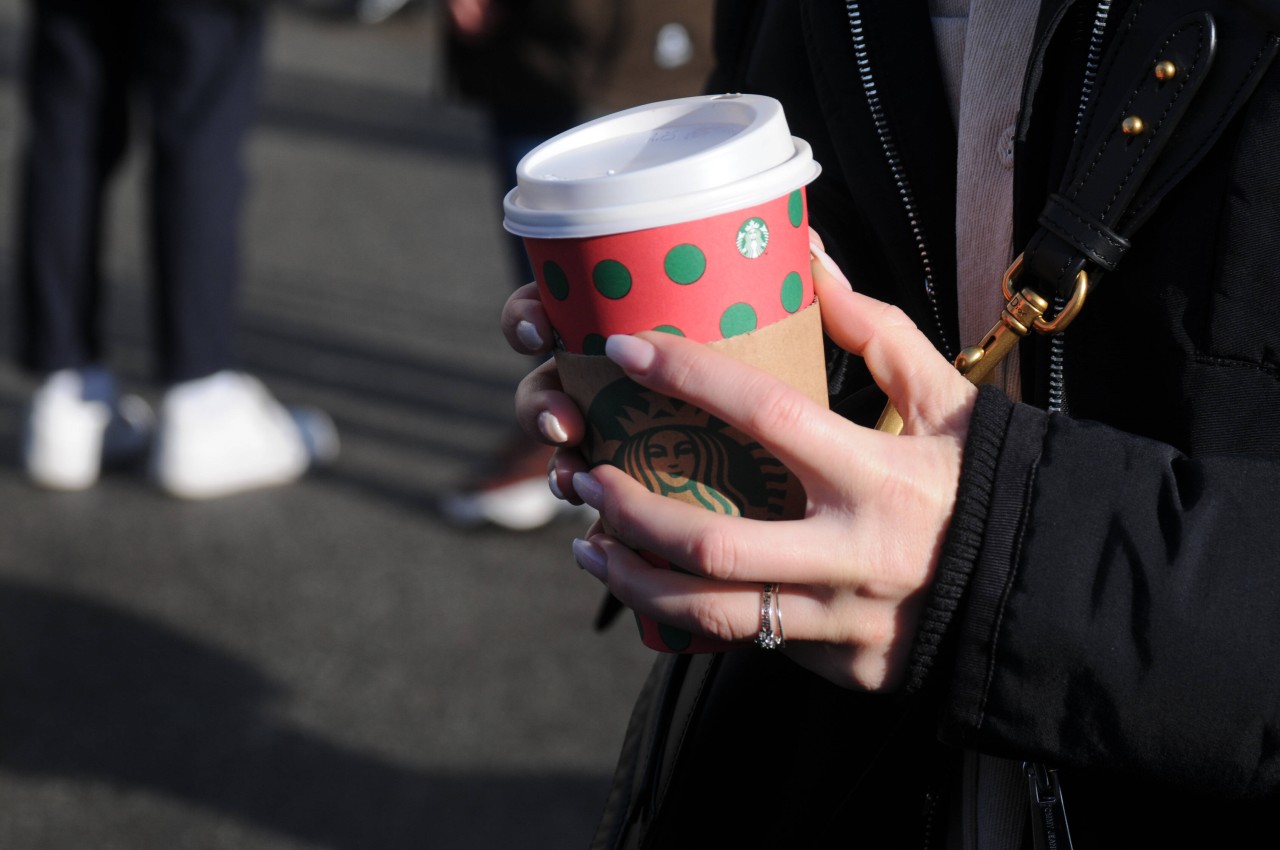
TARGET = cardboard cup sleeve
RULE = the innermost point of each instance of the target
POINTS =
(682, 452)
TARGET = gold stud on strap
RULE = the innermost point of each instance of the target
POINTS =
(1133, 126)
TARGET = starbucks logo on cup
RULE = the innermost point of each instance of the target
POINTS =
(753, 238)
(677, 450)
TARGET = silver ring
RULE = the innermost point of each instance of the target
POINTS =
(770, 612)
(777, 613)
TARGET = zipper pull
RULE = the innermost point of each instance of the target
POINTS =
(1048, 811)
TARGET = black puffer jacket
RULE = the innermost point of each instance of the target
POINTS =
(1108, 601)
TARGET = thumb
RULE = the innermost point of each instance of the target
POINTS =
(920, 382)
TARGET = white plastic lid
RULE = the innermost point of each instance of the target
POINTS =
(659, 164)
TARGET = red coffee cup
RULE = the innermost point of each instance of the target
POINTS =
(688, 217)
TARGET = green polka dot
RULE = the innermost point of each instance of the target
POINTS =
(593, 344)
(685, 264)
(676, 640)
(795, 208)
(792, 292)
(669, 329)
(556, 280)
(612, 279)
(740, 318)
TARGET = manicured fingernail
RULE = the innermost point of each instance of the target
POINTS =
(555, 486)
(630, 352)
(829, 264)
(588, 489)
(549, 426)
(528, 334)
(591, 558)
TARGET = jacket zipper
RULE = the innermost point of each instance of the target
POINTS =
(1057, 386)
(1048, 814)
(890, 150)
(1057, 351)
(1058, 343)
(894, 161)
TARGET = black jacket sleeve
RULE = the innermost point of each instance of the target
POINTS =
(1114, 603)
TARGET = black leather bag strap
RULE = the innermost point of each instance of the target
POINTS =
(1175, 73)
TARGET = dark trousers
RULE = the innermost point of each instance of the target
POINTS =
(194, 67)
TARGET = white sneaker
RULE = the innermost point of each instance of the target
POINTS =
(77, 421)
(227, 434)
(520, 506)
(513, 495)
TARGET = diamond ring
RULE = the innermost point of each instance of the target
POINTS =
(770, 636)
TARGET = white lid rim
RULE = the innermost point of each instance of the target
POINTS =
(780, 180)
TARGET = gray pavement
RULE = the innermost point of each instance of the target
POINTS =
(327, 665)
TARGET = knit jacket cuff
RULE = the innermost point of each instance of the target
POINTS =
(964, 536)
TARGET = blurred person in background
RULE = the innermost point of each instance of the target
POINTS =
(538, 68)
(195, 66)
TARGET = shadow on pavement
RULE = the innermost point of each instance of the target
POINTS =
(98, 694)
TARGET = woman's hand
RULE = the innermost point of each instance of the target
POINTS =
(854, 571)
(542, 408)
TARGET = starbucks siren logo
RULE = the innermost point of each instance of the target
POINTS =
(753, 238)
(677, 450)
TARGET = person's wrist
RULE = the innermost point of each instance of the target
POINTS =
(963, 537)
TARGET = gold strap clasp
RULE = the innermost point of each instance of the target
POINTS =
(1023, 311)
